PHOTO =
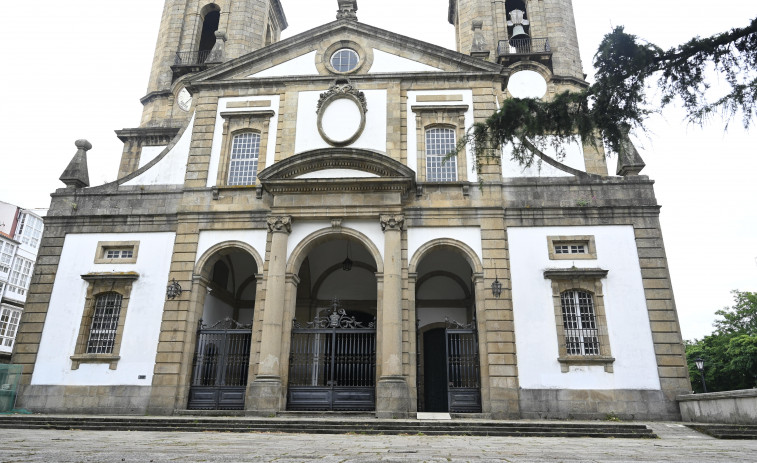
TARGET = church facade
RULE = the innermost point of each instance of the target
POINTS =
(288, 232)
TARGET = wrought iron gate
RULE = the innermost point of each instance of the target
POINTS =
(463, 370)
(332, 365)
(220, 366)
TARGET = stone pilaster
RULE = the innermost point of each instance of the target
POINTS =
(265, 393)
(392, 392)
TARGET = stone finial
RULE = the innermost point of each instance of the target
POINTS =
(629, 159)
(216, 54)
(347, 10)
(76, 174)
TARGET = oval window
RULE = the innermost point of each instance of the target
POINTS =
(344, 60)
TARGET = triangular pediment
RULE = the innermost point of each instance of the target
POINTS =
(333, 170)
(384, 52)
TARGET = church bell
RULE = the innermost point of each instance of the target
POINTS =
(517, 21)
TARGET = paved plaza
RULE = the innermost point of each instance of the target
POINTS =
(676, 444)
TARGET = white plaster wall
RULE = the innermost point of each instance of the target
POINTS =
(418, 236)
(412, 139)
(302, 229)
(7, 216)
(173, 167)
(574, 157)
(303, 65)
(373, 137)
(215, 151)
(143, 317)
(338, 173)
(149, 153)
(254, 238)
(387, 62)
(635, 366)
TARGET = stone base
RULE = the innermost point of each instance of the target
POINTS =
(392, 398)
(89, 400)
(264, 397)
(626, 404)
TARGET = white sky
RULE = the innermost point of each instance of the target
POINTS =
(77, 69)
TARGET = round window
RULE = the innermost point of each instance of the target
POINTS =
(345, 60)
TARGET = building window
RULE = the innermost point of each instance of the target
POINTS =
(440, 142)
(580, 319)
(6, 256)
(102, 332)
(580, 323)
(580, 247)
(30, 229)
(20, 275)
(345, 60)
(243, 166)
(102, 325)
(9, 319)
(116, 252)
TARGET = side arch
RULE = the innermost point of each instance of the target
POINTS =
(215, 252)
(459, 247)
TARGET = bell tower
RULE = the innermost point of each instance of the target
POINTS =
(507, 31)
(195, 34)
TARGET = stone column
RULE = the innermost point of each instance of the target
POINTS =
(265, 393)
(392, 393)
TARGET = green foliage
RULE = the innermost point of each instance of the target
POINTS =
(620, 99)
(730, 353)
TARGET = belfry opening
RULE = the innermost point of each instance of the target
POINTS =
(210, 23)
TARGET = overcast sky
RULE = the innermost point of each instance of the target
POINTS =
(77, 69)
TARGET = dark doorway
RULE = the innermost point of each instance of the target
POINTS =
(435, 371)
(209, 28)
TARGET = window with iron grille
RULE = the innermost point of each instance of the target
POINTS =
(30, 229)
(580, 323)
(439, 143)
(243, 168)
(102, 333)
(9, 319)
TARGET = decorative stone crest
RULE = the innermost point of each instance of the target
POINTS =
(392, 221)
(281, 224)
(339, 88)
(347, 10)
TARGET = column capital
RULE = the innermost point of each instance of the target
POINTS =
(280, 224)
(392, 221)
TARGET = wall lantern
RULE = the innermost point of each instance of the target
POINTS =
(496, 286)
(173, 290)
(347, 263)
(700, 366)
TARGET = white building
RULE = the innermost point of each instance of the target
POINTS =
(20, 234)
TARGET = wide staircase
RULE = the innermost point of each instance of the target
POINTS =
(330, 425)
(727, 431)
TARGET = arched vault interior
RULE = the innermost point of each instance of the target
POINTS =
(444, 288)
(231, 288)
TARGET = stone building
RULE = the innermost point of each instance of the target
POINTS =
(286, 234)
(20, 234)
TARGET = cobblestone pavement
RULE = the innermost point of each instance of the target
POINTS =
(677, 444)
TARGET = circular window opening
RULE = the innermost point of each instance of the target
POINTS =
(344, 60)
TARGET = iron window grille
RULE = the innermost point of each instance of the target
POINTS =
(439, 143)
(580, 323)
(102, 334)
(345, 60)
(245, 149)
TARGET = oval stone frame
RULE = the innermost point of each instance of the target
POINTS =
(322, 110)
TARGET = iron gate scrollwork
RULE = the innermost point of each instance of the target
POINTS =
(332, 364)
(463, 368)
(220, 366)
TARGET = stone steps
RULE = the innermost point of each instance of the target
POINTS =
(727, 431)
(331, 426)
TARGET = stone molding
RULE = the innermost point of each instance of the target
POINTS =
(280, 224)
(392, 222)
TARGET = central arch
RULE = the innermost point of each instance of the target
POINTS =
(332, 321)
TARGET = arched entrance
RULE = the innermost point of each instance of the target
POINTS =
(221, 360)
(332, 361)
(448, 375)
